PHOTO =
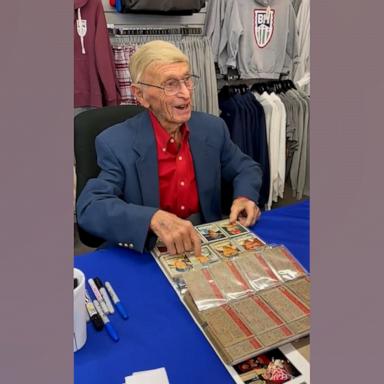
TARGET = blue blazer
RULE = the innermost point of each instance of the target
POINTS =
(118, 205)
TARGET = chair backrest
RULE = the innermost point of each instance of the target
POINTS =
(87, 125)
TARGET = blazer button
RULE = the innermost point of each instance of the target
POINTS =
(125, 245)
(131, 245)
(120, 244)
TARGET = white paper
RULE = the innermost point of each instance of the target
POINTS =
(153, 376)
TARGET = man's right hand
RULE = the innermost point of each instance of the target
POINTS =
(178, 235)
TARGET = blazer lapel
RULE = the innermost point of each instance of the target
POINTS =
(146, 163)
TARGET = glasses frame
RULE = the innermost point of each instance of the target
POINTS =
(164, 89)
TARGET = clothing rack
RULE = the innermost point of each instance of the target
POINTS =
(232, 78)
(154, 30)
(260, 85)
(275, 86)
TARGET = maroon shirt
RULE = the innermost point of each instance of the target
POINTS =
(177, 182)
(95, 82)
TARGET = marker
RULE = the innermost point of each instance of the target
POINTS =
(104, 293)
(95, 317)
(108, 325)
(98, 296)
(75, 283)
(116, 300)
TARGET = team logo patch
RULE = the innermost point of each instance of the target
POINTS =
(264, 22)
(81, 27)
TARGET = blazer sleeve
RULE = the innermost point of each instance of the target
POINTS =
(102, 212)
(240, 169)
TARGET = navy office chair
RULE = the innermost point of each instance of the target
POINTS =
(87, 126)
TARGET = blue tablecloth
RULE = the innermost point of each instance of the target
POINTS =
(160, 331)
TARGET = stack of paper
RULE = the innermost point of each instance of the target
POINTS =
(153, 376)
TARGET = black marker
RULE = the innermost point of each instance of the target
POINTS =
(104, 294)
(95, 317)
(108, 325)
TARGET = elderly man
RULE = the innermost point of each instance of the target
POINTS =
(166, 164)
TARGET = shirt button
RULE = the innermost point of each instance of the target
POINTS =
(164, 149)
(172, 141)
(180, 157)
(182, 207)
(182, 183)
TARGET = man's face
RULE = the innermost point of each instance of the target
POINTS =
(171, 111)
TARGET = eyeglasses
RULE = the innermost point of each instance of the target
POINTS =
(172, 86)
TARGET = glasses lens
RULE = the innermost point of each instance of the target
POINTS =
(188, 81)
(171, 87)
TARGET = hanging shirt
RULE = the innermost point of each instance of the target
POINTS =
(273, 138)
(177, 182)
(264, 44)
(302, 69)
(279, 188)
(95, 83)
(122, 55)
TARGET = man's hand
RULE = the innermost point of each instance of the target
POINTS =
(178, 235)
(245, 211)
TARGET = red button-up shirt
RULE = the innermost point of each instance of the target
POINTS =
(177, 182)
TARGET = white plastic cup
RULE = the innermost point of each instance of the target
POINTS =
(79, 311)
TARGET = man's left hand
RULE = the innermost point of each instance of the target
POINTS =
(245, 211)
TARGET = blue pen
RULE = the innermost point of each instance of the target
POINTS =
(108, 325)
(116, 300)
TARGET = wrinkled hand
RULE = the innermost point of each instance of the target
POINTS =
(178, 235)
(245, 211)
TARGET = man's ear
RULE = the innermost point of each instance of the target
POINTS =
(138, 93)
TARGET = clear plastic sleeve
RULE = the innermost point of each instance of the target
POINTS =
(256, 271)
(230, 281)
(302, 288)
(282, 262)
(257, 314)
(285, 303)
(203, 289)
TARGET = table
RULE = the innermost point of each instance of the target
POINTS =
(160, 332)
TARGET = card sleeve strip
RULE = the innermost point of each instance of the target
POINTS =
(265, 266)
(294, 300)
(215, 289)
(267, 310)
(238, 321)
(292, 260)
(237, 274)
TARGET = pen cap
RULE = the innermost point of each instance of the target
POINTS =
(121, 310)
(112, 332)
(98, 282)
(79, 311)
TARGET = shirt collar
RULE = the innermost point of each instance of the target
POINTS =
(162, 136)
